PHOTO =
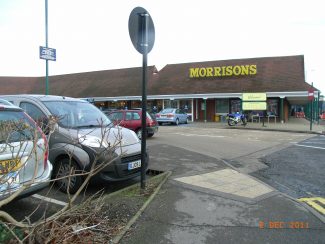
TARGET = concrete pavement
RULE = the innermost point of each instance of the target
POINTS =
(194, 206)
(301, 125)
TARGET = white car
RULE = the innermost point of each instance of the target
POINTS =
(23, 153)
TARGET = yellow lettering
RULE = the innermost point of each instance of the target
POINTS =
(253, 69)
(244, 69)
(209, 71)
(194, 72)
(229, 70)
(223, 70)
(202, 72)
(217, 71)
(237, 70)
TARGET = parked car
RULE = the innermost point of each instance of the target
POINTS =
(78, 140)
(23, 153)
(172, 115)
(5, 102)
(131, 119)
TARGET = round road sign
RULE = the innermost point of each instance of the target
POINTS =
(140, 21)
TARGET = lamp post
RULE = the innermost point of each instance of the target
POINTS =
(46, 45)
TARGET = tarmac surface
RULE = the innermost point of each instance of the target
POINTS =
(191, 210)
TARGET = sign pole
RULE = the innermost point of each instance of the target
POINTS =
(144, 43)
(142, 34)
(46, 45)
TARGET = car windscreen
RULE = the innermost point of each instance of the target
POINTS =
(75, 114)
(15, 126)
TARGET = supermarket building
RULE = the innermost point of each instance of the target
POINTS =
(204, 89)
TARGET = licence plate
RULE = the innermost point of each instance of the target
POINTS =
(134, 165)
(9, 165)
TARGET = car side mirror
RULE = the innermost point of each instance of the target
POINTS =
(47, 124)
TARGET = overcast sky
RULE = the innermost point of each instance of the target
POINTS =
(91, 35)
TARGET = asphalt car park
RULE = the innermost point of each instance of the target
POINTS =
(297, 170)
(51, 199)
(244, 150)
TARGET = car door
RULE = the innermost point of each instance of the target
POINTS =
(136, 120)
(183, 115)
(128, 121)
(178, 115)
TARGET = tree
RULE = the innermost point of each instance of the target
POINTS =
(26, 149)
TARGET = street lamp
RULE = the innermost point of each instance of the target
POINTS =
(46, 52)
(46, 45)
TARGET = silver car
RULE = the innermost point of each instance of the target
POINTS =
(172, 115)
(23, 153)
(78, 141)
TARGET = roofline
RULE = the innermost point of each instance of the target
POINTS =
(235, 59)
(202, 96)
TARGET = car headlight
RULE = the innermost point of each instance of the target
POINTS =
(92, 141)
(135, 135)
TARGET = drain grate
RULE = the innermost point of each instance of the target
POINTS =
(154, 172)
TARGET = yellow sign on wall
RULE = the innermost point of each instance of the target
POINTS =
(254, 96)
(237, 70)
(254, 105)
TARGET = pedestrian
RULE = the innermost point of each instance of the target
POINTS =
(154, 109)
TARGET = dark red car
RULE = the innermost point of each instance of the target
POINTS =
(131, 119)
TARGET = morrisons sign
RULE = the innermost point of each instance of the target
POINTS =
(237, 70)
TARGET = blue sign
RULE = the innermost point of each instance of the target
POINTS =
(47, 53)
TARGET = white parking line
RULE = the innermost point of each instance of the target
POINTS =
(51, 200)
(310, 146)
(198, 135)
(314, 142)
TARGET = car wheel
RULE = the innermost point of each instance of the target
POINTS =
(139, 133)
(177, 122)
(159, 123)
(63, 169)
(150, 135)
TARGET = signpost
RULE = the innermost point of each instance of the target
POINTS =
(142, 34)
(47, 53)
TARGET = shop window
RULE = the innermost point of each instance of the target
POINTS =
(272, 106)
(136, 104)
(159, 105)
(222, 106)
(186, 105)
(170, 104)
(235, 106)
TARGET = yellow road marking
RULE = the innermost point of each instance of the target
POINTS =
(313, 202)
